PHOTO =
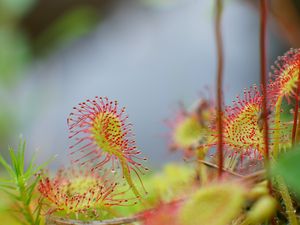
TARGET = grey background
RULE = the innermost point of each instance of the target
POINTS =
(148, 58)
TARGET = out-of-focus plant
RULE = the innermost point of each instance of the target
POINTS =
(173, 181)
(20, 185)
(218, 204)
(192, 127)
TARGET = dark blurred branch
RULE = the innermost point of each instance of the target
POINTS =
(286, 14)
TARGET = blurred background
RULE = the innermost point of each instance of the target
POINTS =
(148, 54)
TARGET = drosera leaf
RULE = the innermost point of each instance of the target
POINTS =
(103, 138)
(80, 192)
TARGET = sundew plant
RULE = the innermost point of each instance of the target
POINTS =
(241, 161)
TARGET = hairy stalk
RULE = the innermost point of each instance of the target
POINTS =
(296, 110)
(219, 43)
(263, 56)
(287, 201)
(277, 127)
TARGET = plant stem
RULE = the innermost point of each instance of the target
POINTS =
(287, 201)
(263, 57)
(277, 127)
(298, 131)
(296, 110)
(211, 165)
(219, 42)
(263, 75)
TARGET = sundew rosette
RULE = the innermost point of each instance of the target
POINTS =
(242, 126)
(76, 191)
(102, 137)
(243, 130)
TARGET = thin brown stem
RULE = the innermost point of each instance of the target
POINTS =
(263, 59)
(254, 177)
(211, 165)
(219, 43)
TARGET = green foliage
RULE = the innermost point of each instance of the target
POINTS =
(14, 54)
(20, 184)
(14, 8)
(288, 167)
(69, 27)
